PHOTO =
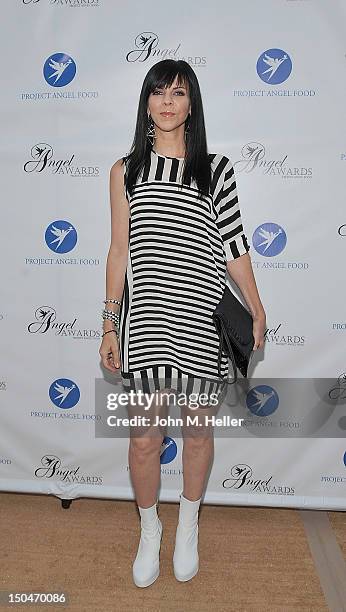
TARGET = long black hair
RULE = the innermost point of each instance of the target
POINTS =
(197, 162)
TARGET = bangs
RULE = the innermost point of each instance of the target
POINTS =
(167, 78)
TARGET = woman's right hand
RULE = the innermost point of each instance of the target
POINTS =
(109, 351)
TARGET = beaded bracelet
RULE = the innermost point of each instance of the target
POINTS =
(112, 301)
(109, 314)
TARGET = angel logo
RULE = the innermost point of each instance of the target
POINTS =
(61, 236)
(338, 391)
(59, 69)
(262, 400)
(269, 239)
(168, 450)
(145, 44)
(64, 393)
(274, 66)
(43, 159)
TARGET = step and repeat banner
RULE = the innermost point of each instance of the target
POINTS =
(273, 81)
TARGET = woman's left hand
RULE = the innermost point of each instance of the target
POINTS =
(258, 330)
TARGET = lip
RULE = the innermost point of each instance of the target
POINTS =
(167, 114)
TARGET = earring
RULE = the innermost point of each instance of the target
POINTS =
(151, 130)
(187, 130)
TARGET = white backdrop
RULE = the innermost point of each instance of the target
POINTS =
(272, 76)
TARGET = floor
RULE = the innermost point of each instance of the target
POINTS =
(252, 559)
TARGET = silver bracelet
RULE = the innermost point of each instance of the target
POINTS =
(116, 314)
(110, 314)
(112, 301)
(114, 320)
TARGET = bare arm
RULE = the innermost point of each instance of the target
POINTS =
(240, 270)
(117, 257)
(118, 250)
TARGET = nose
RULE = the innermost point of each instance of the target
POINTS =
(167, 98)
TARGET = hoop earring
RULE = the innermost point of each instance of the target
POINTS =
(151, 135)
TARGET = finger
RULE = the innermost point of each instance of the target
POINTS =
(113, 358)
(258, 344)
(107, 363)
(109, 366)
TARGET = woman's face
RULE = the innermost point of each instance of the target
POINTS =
(173, 100)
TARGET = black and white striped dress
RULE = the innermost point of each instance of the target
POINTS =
(178, 248)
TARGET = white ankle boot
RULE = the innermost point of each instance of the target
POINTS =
(146, 566)
(185, 558)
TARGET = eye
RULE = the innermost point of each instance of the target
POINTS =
(158, 91)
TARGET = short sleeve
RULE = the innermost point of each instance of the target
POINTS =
(229, 220)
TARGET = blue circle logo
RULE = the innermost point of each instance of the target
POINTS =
(169, 450)
(61, 236)
(64, 393)
(269, 239)
(59, 69)
(262, 400)
(274, 66)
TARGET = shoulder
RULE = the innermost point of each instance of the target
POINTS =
(221, 167)
(219, 162)
(222, 172)
(117, 171)
(117, 176)
(118, 166)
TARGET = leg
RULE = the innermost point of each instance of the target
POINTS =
(198, 452)
(197, 455)
(145, 468)
(144, 458)
(144, 462)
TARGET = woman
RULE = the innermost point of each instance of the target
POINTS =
(176, 229)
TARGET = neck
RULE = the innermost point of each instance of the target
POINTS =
(169, 152)
(164, 144)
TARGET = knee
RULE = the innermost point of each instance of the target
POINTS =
(197, 438)
(146, 446)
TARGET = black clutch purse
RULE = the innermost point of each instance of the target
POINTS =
(233, 324)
